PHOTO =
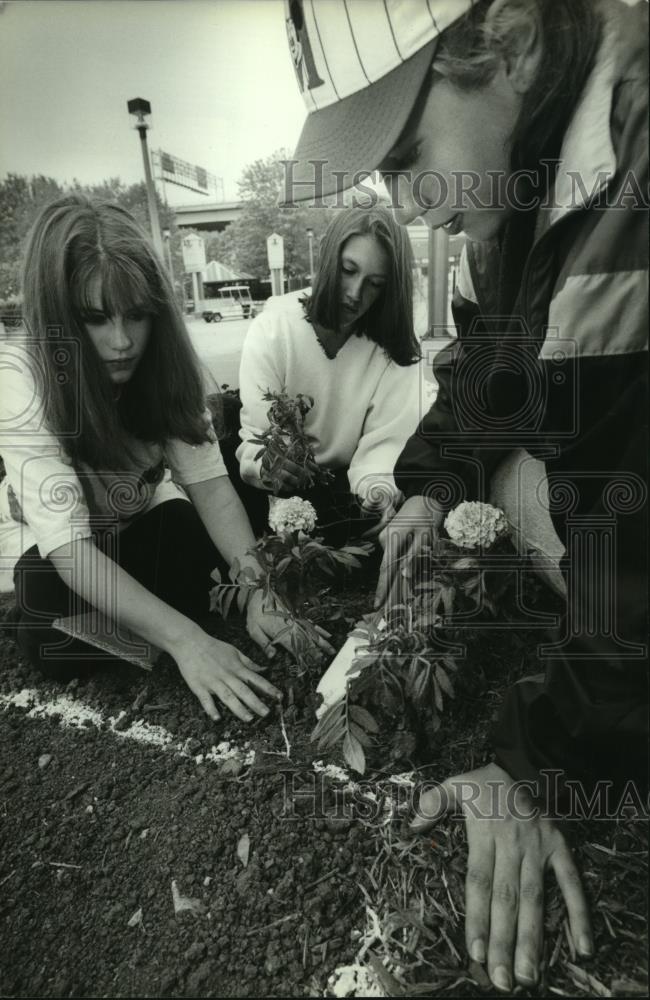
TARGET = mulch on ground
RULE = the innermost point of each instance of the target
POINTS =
(92, 840)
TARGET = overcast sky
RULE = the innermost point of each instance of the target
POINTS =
(217, 74)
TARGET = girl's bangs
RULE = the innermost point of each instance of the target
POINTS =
(124, 287)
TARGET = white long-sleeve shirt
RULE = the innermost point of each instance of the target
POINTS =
(365, 405)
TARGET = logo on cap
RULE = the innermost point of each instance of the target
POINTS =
(300, 48)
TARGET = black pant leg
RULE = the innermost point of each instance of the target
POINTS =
(167, 550)
(226, 409)
(41, 597)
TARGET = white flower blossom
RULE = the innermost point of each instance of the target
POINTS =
(474, 525)
(293, 514)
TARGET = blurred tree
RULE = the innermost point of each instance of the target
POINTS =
(22, 198)
(243, 244)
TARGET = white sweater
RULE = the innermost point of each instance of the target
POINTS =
(365, 406)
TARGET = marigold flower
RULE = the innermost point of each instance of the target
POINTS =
(293, 514)
(474, 525)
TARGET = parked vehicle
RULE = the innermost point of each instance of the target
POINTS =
(227, 302)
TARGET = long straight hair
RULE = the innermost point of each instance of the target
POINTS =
(74, 247)
(389, 321)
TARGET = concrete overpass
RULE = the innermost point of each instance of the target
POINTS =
(213, 217)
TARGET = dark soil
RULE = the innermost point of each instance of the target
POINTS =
(101, 831)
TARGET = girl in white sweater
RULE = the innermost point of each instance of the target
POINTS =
(349, 343)
(101, 396)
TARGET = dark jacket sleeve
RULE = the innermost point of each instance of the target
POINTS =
(452, 454)
(579, 731)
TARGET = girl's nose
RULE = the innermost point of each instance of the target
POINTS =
(121, 337)
(354, 290)
(403, 202)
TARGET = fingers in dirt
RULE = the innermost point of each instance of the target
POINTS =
(262, 640)
(256, 680)
(478, 896)
(207, 704)
(570, 883)
(504, 907)
(432, 806)
(227, 697)
(530, 925)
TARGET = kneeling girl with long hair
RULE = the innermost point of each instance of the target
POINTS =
(102, 395)
(349, 344)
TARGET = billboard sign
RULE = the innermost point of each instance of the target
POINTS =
(173, 170)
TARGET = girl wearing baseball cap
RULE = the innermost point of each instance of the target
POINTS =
(523, 124)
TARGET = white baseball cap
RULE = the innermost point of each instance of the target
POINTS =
(360, 65)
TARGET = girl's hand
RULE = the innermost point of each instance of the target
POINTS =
(266, 625)
(387, 513)
(212, 668)
(289, 475)
(286, 473)
(415, 525)
(510, 849)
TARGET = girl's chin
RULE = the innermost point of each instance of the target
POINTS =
(120, 377)
(483, 226)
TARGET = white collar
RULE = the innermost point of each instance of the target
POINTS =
(587, 158)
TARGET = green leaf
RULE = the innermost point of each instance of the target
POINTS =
(356, 550)
(466, 563)
(344, 557)
(444, 681)
(353, 753)
(330, 718)
(227, 602)
(420, 686)
(437, 694)
(364, 738)
(332, 736)
(364, 718)
(448, 594)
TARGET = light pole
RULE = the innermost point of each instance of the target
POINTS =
(167, 236)
(310, 237)
(141, 108)
(438, 279)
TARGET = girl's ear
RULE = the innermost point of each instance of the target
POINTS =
(516, 35)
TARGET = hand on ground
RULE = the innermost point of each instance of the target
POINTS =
(509, 850)
(216, 670)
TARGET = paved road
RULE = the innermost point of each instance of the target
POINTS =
(219, 346)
